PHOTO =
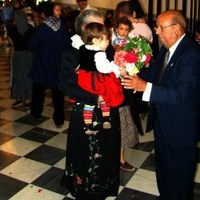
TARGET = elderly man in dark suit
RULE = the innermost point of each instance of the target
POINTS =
(171, 85)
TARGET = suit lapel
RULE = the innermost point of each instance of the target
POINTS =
(174, 58)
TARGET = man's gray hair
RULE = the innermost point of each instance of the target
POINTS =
(83, 19)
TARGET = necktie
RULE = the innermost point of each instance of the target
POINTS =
(164, 64)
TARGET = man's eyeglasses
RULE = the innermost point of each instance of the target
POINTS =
(163, 27)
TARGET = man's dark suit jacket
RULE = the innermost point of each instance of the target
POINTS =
(176, 99)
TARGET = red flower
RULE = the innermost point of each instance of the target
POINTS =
(131, 57)
(148, 58)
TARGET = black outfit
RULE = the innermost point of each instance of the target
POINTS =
(38, 101)
(48, 45)
(137, 107)
(87, 61)
(92, 161)
(21, 84)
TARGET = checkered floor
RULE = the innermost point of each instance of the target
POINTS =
(32, 153)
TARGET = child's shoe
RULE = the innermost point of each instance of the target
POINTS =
(90, 130)
(106, 123)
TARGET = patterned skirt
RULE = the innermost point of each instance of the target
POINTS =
(129, 131)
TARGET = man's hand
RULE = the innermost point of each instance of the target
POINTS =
(134, 83)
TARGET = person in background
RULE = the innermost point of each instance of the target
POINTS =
(19, 34)
(126, 9)
(197, 32)
(37, 14)
(7, 17)
(1, 17)
(30, 19)
(92, 161)
(70, 21)
(83, 5)
(22, 25)
(131, 107)
(109, 19)
(48, 42)
(130, 9)
(133, 11)
(67, 10)
(121, 30)
(138, 14)
(1, 24)
(171, 86)
(129, 131)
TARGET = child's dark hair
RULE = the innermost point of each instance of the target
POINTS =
(125, 21)
(94, 30)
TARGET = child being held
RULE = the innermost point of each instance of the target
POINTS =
(98, 75)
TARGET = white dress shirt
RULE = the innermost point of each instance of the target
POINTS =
(147, 93)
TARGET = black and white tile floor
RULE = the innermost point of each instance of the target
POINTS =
(32, 154)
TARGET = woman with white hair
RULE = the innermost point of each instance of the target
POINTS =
(92, 161)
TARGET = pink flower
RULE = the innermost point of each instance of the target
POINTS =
(119, 58)
(79, 181)
(136, 50)
(97, 155)
(131, 57)
(124, 42)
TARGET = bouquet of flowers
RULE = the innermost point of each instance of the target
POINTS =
(133, 53)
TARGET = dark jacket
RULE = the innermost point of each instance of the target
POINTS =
(48, 46)
(175, 101)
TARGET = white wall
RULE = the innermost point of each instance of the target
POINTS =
(111, 4)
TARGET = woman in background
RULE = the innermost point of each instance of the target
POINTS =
(49, 41)
(129, 136)
(127, 9)
(20, 33)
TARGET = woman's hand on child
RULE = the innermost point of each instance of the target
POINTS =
(100, 98)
